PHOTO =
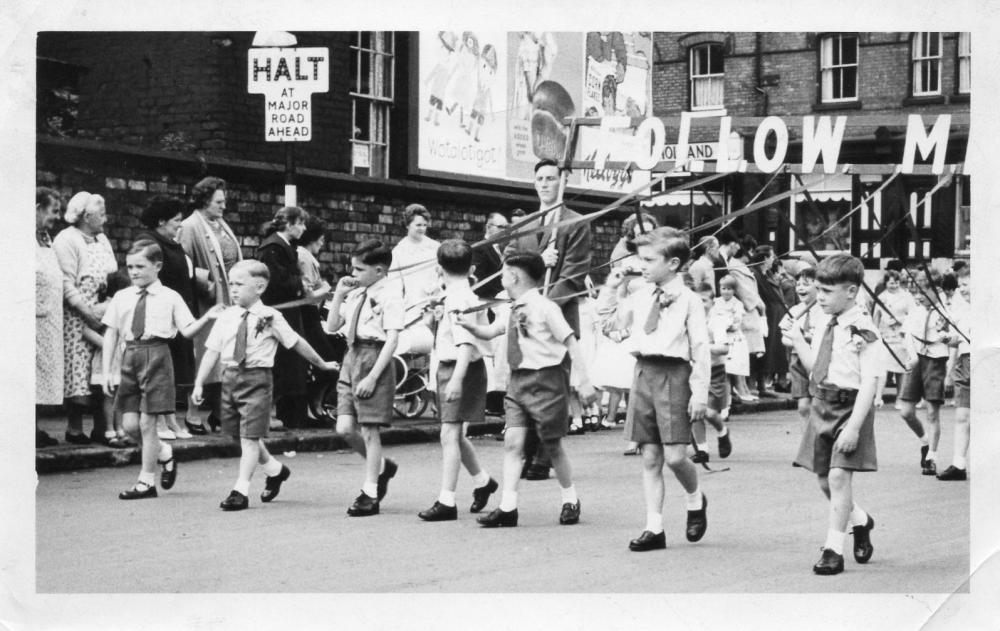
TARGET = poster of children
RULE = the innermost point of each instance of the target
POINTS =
(463, 102)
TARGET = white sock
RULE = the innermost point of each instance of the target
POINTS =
(110, 433)
(508, 501)
(932, 455)
(654, 523)
(481, 479)
(724, 414)
(371, 490)
(242, 486)
(693, 500)
(166, 452)
(447, 497)
(858, 516)
(569, 495)
(381, 468)
(149, 479)
(959, 462)
(702, 446)
(835, 541)
(271, 468)
(724, 432)
(924, 441)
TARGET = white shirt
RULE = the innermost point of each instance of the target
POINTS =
(266, 328)
(450, 336)
(166, 312)
(417, 282)
(543, 331)
(849, 366)
(381, 312)
(962, 317)
(924, 328)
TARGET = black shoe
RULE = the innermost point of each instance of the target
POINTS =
(725, 446)
(168, 476)
(272, 485)
(648, 541)
(697, 521)
(135, 493)
(536, 472)
(930, 468)
(953, 473)
(497, 517)
(363, 506)
(699, 457)
(481, 496)
(195, 430)
(213, 421)
(862, 541)
(632, 451)
(439, 512)
(77, 439)
(44, 440)
(384, 477)
(235, 501)
(570, 513)
(923, 455)
(829, 563)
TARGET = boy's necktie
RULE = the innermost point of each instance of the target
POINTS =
(352, 328)
(514, 354)
(240, 351)
(927, 332)
(653, 319)
(139, 316)
(822, 366)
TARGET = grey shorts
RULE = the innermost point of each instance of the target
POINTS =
(376, 409)
(471, 405)
(926, 380)
(539, 399)
(246, 402)
(826, 420)
(962, 376)
(147, 383)
(658, 404)
(800, 378)
(719, 394)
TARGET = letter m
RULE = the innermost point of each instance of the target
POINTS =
(934, 143)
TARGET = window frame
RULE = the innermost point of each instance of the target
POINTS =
(692, 78)
(378, 99)
(918, 61)
(967, 58)
(824, 69)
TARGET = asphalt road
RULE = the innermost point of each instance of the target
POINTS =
(767, 521)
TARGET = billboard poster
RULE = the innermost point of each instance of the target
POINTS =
(463, 102)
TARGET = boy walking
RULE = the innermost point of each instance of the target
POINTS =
(962, 375)
(147, 316)
(461, 384)
(672, 372)
(538, 340)
(371, 310)
(845, 363)
(807, 313)
(245, 338)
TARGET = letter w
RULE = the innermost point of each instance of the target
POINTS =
(821, 140)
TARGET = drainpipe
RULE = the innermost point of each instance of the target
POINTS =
(759, 73)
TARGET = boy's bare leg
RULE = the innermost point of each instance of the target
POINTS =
(373, 453)
(714, 419)
(962, 426)
(513, 457)
(347, 428)
(150, 442)
(250, 456)
(934, 423)
(469, 457)
(698, 432)
(804, 407)
(908, 410)
(652, 485)
(841, 502)
(560, 462)
(452, 455)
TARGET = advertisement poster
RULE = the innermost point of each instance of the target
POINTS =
(463, 102)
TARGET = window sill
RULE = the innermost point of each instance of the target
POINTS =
(960, 98)
(839, 105)
(932, 99)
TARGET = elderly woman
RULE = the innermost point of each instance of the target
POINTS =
(86, 258)
(48, 310)
(414, 259)
(212, 246)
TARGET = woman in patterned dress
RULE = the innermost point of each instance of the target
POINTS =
(48, 310)
(83, 252)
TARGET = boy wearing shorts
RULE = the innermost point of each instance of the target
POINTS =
(245, 338)
(808, 314)
(719, 397)
(845, 362)
(461, 384)
(370, 309)
(538, 341)
(147, 316)
(962, 375)
(672, 372)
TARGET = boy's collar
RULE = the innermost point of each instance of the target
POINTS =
(528, 296)
(152, 288)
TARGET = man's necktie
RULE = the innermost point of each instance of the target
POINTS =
(822, 366)
(653, 319)
(240, 351)
(139, 316)
(514, 354)
(352, 328)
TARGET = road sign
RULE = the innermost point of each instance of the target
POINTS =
(288, 77)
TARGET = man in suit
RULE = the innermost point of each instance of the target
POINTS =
(489, 259)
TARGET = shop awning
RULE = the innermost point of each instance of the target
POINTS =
(825, 188)
(683, 198)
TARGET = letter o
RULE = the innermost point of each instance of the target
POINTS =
(768, 125)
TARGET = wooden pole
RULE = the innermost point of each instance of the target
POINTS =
(563, 174)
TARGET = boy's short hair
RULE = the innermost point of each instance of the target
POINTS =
(455, 256)
(147, 248)
(841, 268)
(254, 268)
(667, 241)
(728, 281)
(373, 252)
(705, 288)
(530, 263)
(949, 282)
(807, 272)
(963, 271)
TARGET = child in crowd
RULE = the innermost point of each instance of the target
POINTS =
(672, 373)
(114, 434)
(146, 315)
(370, 308)
(806, 314)
(729, 308)
(927, 340)
(844, 364)
(962, 372)
(461, 384)
(899, 303)
(538, 340)
(247, 389)
(719, 398)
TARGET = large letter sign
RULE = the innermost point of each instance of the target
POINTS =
(288, 77)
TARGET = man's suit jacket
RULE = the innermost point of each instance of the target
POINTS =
(488, 262)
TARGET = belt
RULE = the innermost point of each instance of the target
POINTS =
(246, 368)
(833, 394)
(368, 342)
(662, 359)
(153, 341)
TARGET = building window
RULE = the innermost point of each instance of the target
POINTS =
(926, 64)
(964, 63)
(707, 77)
(839, 68)
(373, 66)
(821, 222)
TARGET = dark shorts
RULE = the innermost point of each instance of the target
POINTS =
(658, 404)
(719, 393)
(147, 384)
(471, 405)
(926, 380)
(962, 376)
(826, 420)
(246, 402)
(800, 378)
(539, 399)
(376, 409)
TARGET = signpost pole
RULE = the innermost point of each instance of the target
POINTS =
(291, 197)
